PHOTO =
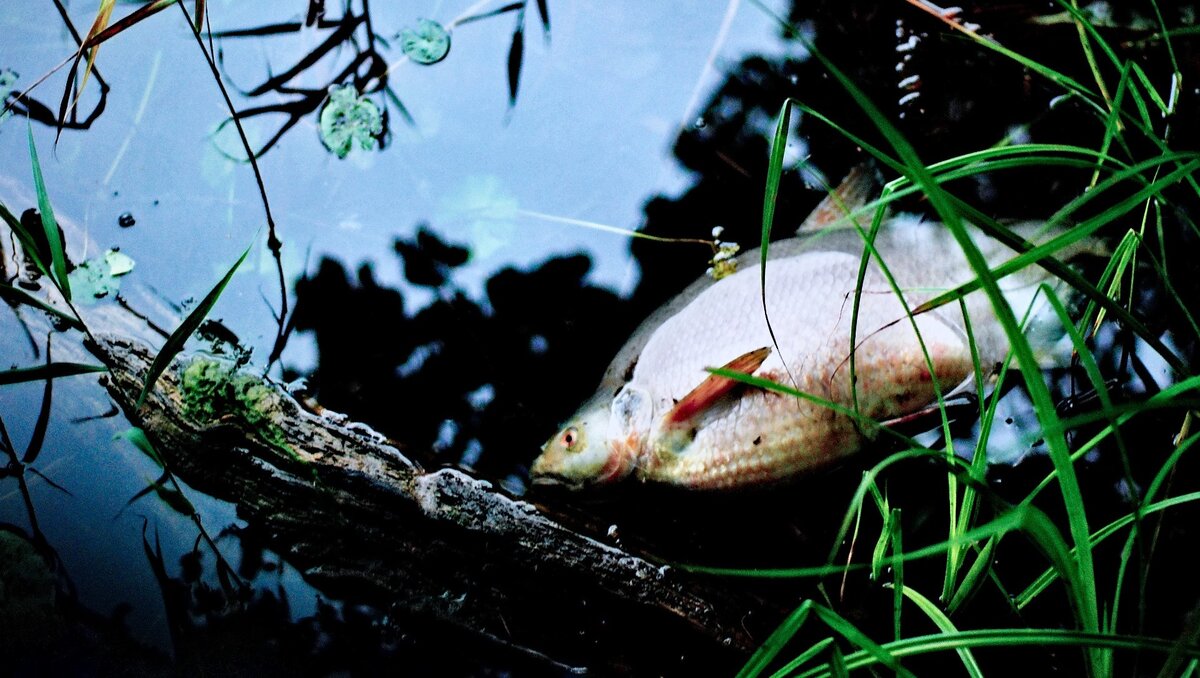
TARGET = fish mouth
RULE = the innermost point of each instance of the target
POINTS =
(544, 480)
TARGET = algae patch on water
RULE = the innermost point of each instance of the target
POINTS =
(215, 391)
(100, 276)
(349, 118)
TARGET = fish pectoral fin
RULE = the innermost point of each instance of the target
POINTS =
(713, 388)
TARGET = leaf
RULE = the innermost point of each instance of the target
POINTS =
(427, 43)
(774, 643)
(28, 244)
(516, 53)
(98, 26)
(57, 252)
(138, 437)
(128, 20)
(200, 10)
(770, 194)
(50, 371)
(347, 118)
(944, 624)
(174, 498)
(504, 9)
(16, 295)
(100, 276)
(38, 437)
(544, 13)
(175, 342)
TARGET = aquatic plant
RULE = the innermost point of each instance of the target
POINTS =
(1134, 170)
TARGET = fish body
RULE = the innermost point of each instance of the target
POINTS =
(661, 416)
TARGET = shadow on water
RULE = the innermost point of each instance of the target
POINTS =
(460, 381)
(485, 381)
(482, 382)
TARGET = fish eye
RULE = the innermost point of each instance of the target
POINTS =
(570, 438)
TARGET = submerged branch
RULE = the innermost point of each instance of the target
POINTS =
(361, 520)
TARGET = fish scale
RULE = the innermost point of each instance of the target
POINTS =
(661, 416)
(765, 436)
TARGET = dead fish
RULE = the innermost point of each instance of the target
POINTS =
(661, 416)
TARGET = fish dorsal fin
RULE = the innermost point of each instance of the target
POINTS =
(714, 387)
(856, 190)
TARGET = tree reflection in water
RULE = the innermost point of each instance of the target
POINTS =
(457, 377)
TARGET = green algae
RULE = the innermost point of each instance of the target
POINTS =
(213, 390)
(349, 118)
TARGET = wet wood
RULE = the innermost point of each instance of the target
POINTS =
(362, 521)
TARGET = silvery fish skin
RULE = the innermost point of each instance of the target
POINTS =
(660, 415)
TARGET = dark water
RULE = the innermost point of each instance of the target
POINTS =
(441, 294)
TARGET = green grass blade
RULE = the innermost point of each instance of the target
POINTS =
(137, 437)
(50, 371)
(803, 658)
(1082, 577)
(57, 251)
(1001, 638)
(774, 174)
(16, 295)
(1014, 519)
(770, 195)
(28, 243)
(943, 623)
(1067, 275)
(38, 437)
(850, 632)
(974, 577)
(1110, 278)
(1046, 578)
(779, 637)
(962, 514)
(1081, 21)
(1097, 380)
(768, 385)
(175, 342)
(897, 561)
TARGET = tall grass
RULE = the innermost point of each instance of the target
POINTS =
(1133, 114)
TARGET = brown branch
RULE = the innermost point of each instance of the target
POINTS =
(360, 520)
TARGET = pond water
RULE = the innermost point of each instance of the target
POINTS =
(601, 97)
(460, 279)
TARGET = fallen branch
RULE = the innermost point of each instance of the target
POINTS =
(362, 521)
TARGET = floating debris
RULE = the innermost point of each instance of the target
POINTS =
(426, 44)
(8, 79)
(99, 277)
(349, 117)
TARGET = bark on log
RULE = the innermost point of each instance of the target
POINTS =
(360, 520)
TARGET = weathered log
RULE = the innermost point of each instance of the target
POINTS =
(362, 521)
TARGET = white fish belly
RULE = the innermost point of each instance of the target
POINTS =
(754, 436)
